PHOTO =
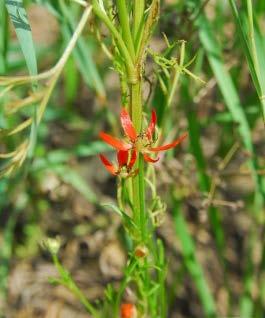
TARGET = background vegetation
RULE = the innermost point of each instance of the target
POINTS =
(213, 185)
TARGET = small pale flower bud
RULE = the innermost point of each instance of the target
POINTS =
(52, 244)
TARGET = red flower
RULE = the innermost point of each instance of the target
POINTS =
(142, 142)
(128, 311)
(125, 160)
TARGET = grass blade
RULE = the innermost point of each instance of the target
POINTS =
(204, 179)
(19, 18)
(191, 262)
(231, 98)
(248, 39)
(3, 37)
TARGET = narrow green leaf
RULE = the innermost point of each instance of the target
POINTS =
(19, 18)
(128, 220)
(71, 76)
(82, 54)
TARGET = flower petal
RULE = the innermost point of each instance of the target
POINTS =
(133, 158)
(128, 311)
(108, 165)
(122, 157)
(127, 125)
(169, 146)
(152, 124)
(114, 142)
(149, 159)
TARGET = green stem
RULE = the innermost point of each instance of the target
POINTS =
(129, 272)
(141, 180)
(136, 105)
(176, 75)
(138, 13)
(138, 181)
(116, 35)
(119, 194)
(68, 282)
(125, 26)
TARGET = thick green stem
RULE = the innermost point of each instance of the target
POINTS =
(138, 181)
(141, 180)
(136, 105)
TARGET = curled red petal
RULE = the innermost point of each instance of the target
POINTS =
(114, 142)
(122, 157)
(149, 159)
(108, 165)
(169, 146)
(152, 124)
(133, 158)
(127, 125)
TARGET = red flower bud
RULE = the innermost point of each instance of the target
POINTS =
(128, 311)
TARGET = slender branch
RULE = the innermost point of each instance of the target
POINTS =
(60, 64)
(53, 73)
(69, 283)
(176, 74)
